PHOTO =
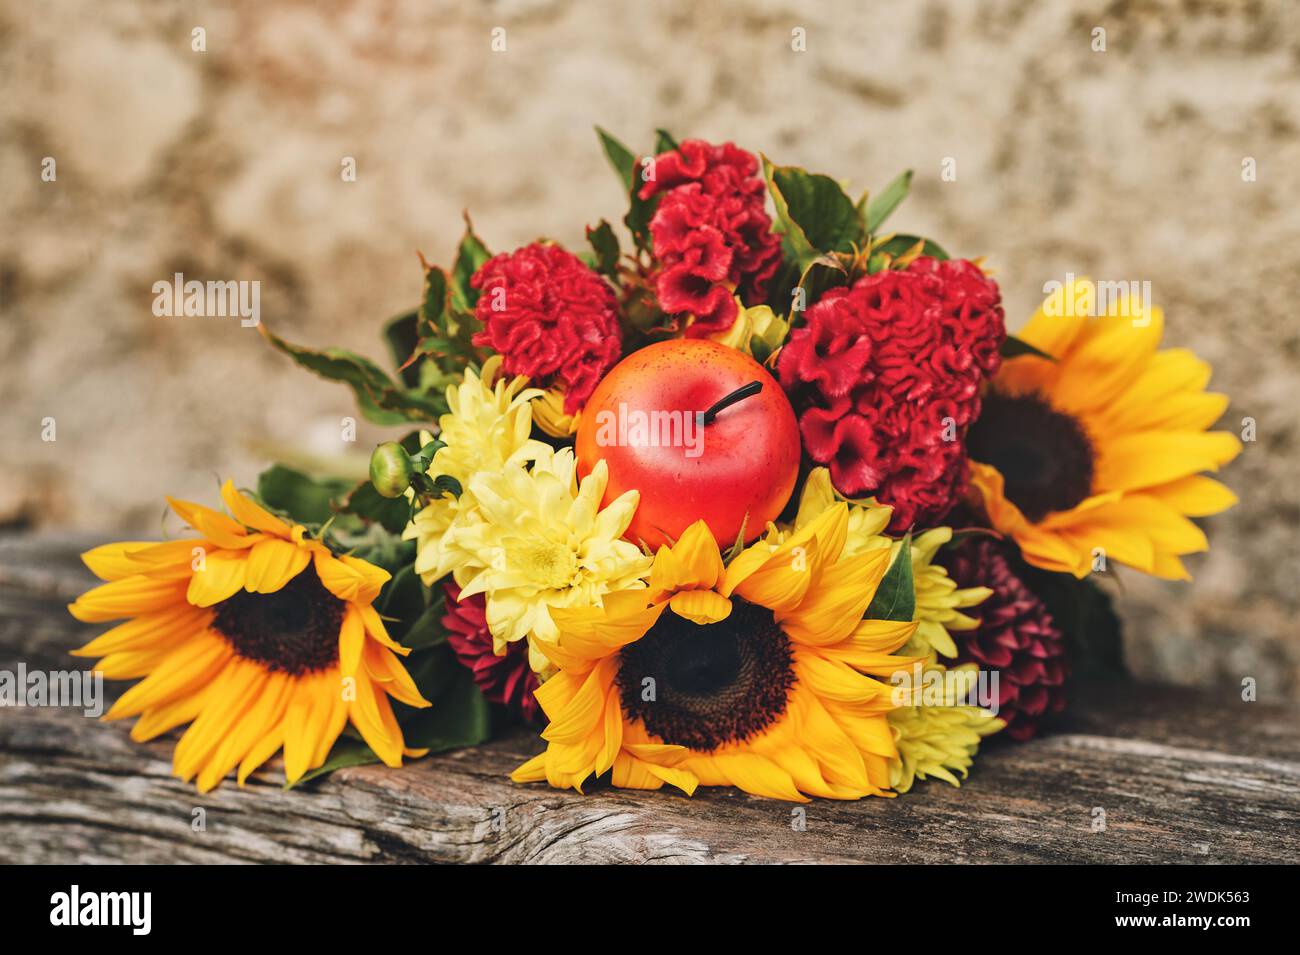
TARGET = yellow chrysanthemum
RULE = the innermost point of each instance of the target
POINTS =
(938, 600)
(255, 635)
(1099, 452)
(487, 429)
(759, 674)
(538, 539)
(938, 740)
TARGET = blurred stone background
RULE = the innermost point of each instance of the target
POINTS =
(225, 164)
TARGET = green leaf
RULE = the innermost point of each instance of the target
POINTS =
(879, 208)
(469, 258)
(381, 399)
(445, 483)
(426, 630)
(895, 598)
(402, 334)
(814, 213)
(403, 598)
(348, 751)
(306, 500)
(391, 513)
(1015, 347)
(446, 331)
(822, 274)
(882, 253)
(620, 157)
(604, 244)
(639, 210)
(664, 141)
(434, 302)
(459, 716)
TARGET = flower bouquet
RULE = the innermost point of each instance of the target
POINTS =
(756, 494)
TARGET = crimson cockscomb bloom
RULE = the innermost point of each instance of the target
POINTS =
(552, 319)
(712, 237)
(885, 378)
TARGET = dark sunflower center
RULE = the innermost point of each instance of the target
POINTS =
(1044, 456)
(705, 686)
(294, 630)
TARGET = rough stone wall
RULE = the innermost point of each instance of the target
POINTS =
(224, 164)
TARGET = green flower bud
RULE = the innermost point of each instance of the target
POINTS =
(390, 469)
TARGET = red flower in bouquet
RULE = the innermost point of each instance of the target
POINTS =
(552, 318)
(508, 679)
(885, 377)
(1016, 637)
(711, 235)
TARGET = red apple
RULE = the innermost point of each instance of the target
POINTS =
(660, 422)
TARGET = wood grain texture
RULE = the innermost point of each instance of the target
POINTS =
(1182, 777)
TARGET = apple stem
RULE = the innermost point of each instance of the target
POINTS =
(726, 401)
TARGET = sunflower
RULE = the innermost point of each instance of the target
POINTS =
(1097, 451)
(255, 635)
(758, 674)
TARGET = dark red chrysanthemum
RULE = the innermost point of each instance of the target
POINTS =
(885, 378)
(552, 318)
(506, 679)
(1016, 636)
(711, 235)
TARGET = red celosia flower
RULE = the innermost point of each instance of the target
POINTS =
(1017, 637)
(506, 679)
(885, 378)
(552, 318)
(711, 234)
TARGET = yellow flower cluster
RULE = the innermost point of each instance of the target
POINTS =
(937, 741)
(524, 531)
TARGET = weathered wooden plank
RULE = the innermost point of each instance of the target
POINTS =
(1181, 777)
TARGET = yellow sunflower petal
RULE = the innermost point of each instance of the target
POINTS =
(113, 561)
(386, 669)
(350, 578)
(262, 750)
(272, 563)
(1146, 459)
(584, 710)
(150, 631)
(839, 600)
(700, 606)
(593, 632)
(127, 597)
(1195, 496)
(160, 719)
(697, 551)
(223, 572)
(233, 692)
(217, 527)
(758, 775)
(352, 638)
(264, 715)
(372, 715)
(252, 514)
